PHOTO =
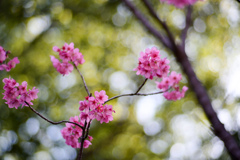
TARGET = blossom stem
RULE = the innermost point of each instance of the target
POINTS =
(141, 86)
(82, 141)
(134, 94)
(55, 123)
(84, 82)
(89, 123)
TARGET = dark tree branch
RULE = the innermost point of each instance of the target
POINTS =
(201, 93)
(165, 41)
(156, 17)
(55, 123)
(153, 13)
(188, 24)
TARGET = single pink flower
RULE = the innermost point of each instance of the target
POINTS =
(23, 88)
(86, 144)
(83, 105)
(85, 116)
(12, 64)
(101, 96)
(33, 93)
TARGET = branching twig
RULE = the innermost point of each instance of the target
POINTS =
(133, 94)
(55, 123)
(141, 86)
(85, 85)
(188, 23)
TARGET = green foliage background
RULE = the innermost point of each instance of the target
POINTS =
(111, 39)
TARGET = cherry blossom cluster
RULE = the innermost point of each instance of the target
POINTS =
(180, 3)
(3, 56)
(152, 65)
(93, 108)
(67, 54)
(172, 81)
(16, 95)
(72, 133)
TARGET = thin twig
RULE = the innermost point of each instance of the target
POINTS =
(188, 23)
(55, 123)
(85, 85)
(134, 94)
(141, 86)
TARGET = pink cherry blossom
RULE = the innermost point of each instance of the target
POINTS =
(77, 57)
(55, 62)
(11, 64)
(93, 108)
(175, 95)
(90, 138)
(16, 95)
(170, 85)
(151, 65)
(3, 55)
(64, 68)
(13, 103)
(85, 116)
(175, 77)
(99, 108)
(83, 105)
(67, 54)
(33, 93)
(72, 133)
(23, 88)
(93, 102)
(101, 96)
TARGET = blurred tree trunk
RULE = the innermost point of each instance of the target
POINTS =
(181, 57)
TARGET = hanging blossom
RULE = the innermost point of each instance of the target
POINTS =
(16, 95)
(3, 56)
(180, 3)
(91, 108)
(152, 65)
(67, 54)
